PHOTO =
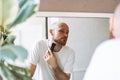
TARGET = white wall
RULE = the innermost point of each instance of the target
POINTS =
(30, 31)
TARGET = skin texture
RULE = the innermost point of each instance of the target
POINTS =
(111, 27)
(115, 23)
(59, 34)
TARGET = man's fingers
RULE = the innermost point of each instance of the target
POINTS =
(46, 56)
(50, 52)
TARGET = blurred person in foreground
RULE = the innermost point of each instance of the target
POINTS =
(105, 63)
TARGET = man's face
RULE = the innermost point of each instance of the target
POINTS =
(60, 34)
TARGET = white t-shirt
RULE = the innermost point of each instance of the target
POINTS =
(65, 58)
(105, 63)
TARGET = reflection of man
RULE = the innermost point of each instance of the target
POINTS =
(105, 64)
(56, 65)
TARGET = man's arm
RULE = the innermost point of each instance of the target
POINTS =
(32, 69)
(50, 58)
(60, 75)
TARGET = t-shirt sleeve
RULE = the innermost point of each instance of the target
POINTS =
(70, 63)
(34, 54)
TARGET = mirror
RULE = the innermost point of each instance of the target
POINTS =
(87, 30)
(84, 36)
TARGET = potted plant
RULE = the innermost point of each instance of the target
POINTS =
(13, 12)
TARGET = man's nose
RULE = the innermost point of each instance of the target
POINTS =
(66, 34)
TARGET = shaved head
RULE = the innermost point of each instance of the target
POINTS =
(58, 24)
(59, 32)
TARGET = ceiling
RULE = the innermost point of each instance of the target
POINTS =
(93, 6)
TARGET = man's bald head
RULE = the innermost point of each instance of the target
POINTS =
(59, 32)
(58, 24)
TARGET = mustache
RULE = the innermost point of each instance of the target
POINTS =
(64, 37)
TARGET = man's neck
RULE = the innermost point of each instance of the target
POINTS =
(58, 47)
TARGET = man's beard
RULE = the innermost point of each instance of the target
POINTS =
(63, 43)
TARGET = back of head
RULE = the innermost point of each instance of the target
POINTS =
(116, 31)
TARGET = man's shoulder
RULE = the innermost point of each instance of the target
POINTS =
(41, 41)
(110, 42)
(108, 45)
(69, 49)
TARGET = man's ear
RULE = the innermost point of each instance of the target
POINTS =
(111, 28)
(51, 31)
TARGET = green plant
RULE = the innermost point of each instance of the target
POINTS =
(13, 12)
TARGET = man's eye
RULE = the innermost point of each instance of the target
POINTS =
(61, 31)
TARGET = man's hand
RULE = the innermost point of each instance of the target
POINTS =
(50, 58)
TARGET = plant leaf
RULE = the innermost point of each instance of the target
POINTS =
(7, 54)
(10, 39)
(6, 72)
(21, 3)
(1, 14)
(20, 70)
(13, 52)
(25, 11)
(8, 11)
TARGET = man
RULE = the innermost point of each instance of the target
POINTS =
(105, 63)
(56, 65)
